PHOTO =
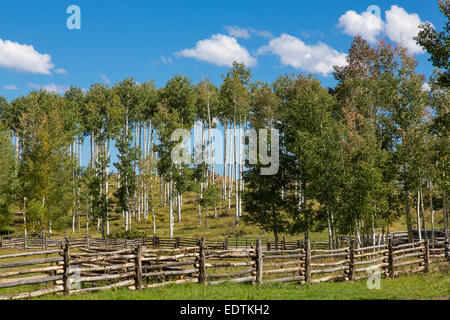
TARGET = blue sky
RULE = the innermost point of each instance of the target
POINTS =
(158, 39)
(133, 38)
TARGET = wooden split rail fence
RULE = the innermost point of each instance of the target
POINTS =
(74, 268)
(25, 243)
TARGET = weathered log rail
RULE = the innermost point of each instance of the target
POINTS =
(75, 268)
(32, 244)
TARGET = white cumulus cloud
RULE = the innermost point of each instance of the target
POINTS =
(262, 33)
(51, 87)
(10, 87)
(24, 58)
(220, 50)
(246, 33)
(166, 60)
(237, 32)
(366, 24)
(105, 79)
(61, 71)
(402, 27)
(319, 58)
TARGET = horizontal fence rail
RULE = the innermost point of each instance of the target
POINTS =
(97, 264)
(25, 243)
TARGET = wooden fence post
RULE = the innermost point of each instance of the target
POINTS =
(283, 243)
(45, 243)
(426, 256)
(307, 261)
(66, 266)
(202, 262)
(259, 262)
(225, 244)
(351, 260)
(268, 244)
(302, 262)
(177, 242)
(24, 242)
(446, 249)
(1, 242)
(391, 267)
(138, 267)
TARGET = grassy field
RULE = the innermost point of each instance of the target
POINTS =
(435, 285)
(218, 228)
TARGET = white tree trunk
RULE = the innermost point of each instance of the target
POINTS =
(430, 195)
(107, 186)
(171, 219)
(418, 215)
(179, 207)
(236, 191)
(230, 166)
(225, 161)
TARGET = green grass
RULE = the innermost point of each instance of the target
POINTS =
(435, 285)
(217, 229)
